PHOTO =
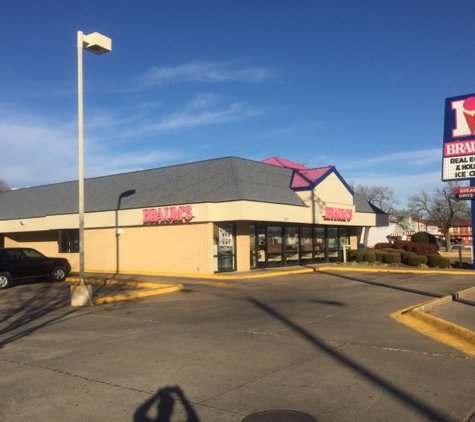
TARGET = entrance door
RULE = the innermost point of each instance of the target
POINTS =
(261, 246)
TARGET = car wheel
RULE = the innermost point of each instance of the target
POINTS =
(58, 274)
(5, 281)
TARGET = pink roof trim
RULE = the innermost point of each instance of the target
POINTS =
(281, 162)
(303, 176)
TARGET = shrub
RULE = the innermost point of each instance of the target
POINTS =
(421, 248)
(423, 237)
(405, 256)
(400, 251)
(369, 257)
(392, 258)
(383, 245)
(356, 255)
(379, 254)
(436, 260)
(400, 244)
(416, 260)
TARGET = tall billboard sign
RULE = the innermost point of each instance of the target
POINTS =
(459, 138)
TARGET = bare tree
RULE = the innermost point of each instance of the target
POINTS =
(3, 186)
(383, 198)
(439, 207)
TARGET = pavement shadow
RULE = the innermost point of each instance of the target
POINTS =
(388, 286)
(455, 296)
(424, 409)
(24, 311)
(162, 406)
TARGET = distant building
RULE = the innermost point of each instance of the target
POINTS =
(461, 231)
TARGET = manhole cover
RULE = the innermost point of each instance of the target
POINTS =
(279, 415)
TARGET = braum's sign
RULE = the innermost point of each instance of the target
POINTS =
(459, 138)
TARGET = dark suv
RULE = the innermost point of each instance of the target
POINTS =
(26, 263)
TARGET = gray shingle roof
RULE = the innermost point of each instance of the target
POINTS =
(218, 180)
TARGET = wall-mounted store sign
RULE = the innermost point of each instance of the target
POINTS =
(167, 215)
(338, 214)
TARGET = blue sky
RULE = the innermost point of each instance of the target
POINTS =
(358, 84)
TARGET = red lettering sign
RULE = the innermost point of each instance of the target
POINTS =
(459, 148)
(167, 215)
(338, 214)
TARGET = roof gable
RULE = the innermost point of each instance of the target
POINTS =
(306, 178)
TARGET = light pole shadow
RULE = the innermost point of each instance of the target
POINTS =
(423, 408)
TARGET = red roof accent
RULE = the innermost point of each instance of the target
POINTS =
(282, 162)
(303, 176)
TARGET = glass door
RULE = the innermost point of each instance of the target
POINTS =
(261, 246)
(223, 247)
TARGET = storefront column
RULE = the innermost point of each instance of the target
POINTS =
(243, 249)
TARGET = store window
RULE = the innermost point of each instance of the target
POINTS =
(344, 233)
(333, 244)
(224, 247)
(292, 245)
(320, 244)
(306, 245)
(252, 246)
(274, 246)
(68, 241)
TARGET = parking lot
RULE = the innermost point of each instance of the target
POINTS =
(220, 350)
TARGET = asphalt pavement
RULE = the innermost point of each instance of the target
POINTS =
(323, 343)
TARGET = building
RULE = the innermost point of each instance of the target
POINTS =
(460, 232)
(226, 214)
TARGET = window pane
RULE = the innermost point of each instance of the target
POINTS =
(252, 246)
(223, 247)
(274, 246)
(332, 244)
(306, 245)
(320, 246)
(68, 241)
(292, 245)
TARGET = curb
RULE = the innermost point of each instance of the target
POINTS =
(393, 270)
(453, 335)
(153, 289)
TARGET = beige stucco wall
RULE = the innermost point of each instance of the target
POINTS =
(243, 258)
(331, 192)
(180, 248)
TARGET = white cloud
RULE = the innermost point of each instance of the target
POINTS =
(40, 150)
(400, 159)
(211, 72)
(203, 109)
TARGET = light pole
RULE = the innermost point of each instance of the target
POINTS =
(98, 44)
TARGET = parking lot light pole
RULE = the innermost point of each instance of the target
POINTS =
(98, 44)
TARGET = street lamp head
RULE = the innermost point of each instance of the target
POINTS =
(97, 43)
